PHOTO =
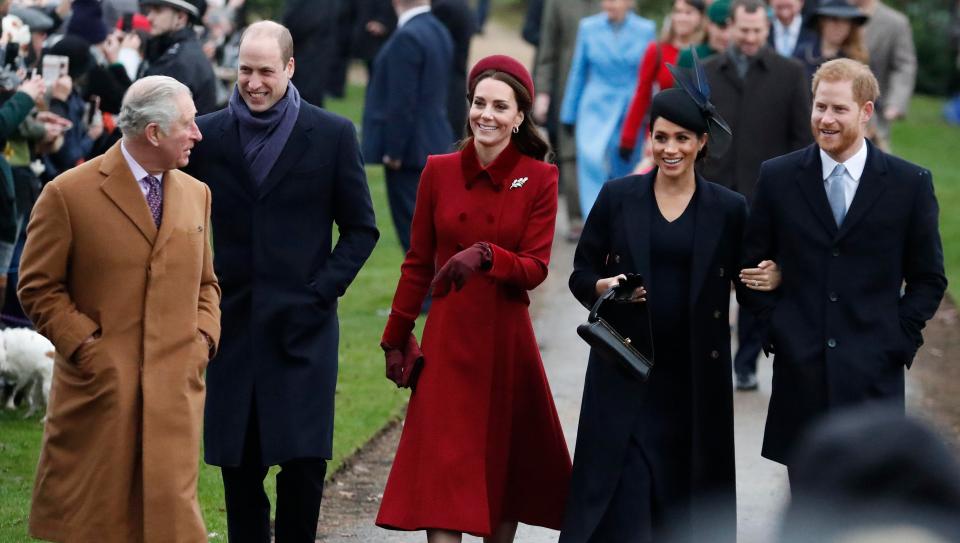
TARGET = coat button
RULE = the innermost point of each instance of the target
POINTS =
(489, 218)
(714, 354)
(832, 343)
(616, 259)
(717, 314)
(834, 297)
(722, 272)
(836, 251)
(463, 217)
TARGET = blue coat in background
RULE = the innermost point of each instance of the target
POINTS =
(405, 113)
(281, 272)
(602, 78)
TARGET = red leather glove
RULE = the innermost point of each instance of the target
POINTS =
(403, 366)
(461, 266)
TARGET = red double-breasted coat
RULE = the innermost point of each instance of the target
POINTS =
(482, 443)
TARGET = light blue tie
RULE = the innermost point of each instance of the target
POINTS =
(838, 202)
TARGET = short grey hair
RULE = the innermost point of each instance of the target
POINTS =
(152, 99)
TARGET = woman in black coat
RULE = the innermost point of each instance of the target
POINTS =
(655, 460)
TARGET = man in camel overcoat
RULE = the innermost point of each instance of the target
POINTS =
(117, 272)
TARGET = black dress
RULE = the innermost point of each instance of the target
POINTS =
(654, 486)
(658, 454)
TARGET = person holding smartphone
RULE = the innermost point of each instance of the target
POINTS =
(654, 459)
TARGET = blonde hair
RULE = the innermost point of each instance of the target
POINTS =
(865, 86)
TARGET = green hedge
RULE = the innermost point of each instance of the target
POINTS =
(930, 20)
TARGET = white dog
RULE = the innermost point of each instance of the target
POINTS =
(26, 359)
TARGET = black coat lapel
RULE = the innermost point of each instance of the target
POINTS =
(871, 186)
(708, 231)
(636, 215)
(297, 144)
(729, 71)
(810, 180)
(229, 145)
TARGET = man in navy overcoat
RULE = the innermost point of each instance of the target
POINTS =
(855, 233)
(282, 172)
(405, 114)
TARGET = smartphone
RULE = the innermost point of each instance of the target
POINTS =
(55, 66)
(93, 107)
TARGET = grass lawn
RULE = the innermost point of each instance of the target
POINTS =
(365, 399)
(926, 139)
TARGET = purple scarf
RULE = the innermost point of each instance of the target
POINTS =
(263, 135)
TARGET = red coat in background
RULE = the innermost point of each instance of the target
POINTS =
(482, 443)
(651, 71)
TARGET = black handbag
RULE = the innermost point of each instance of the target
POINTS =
(605, 339)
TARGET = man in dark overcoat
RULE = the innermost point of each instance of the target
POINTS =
(374, 22)
(173, 49)
(282, 172)
(314, 28)
(405, 114)
(854, 231)
(461, 21)
(766, 100)
(789, 31)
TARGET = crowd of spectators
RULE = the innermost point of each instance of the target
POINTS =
(66, 65)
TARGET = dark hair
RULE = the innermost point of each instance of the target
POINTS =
(676, 106)
(527, 139)
(750, 6)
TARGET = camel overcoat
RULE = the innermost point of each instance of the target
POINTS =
(121, 445)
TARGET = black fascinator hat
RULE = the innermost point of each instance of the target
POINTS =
(688, 105)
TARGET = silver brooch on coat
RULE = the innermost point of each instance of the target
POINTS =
(517, 183)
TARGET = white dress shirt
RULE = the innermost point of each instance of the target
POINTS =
(785, 37)
(410, 14)
(139, 173)
(854, 166)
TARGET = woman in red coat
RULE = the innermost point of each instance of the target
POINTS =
(685, 28)
(482, 448)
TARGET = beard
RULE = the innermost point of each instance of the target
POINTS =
(845, 138)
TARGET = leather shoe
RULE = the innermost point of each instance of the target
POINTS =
(747, 381)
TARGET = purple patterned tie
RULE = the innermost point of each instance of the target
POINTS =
(154, 199)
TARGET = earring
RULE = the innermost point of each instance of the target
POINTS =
(516, 129)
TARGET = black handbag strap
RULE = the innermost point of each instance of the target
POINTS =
(608, 295)
(596, 305)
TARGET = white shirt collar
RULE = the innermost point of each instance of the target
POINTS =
(854, 164)
(138, 172)
(410, 14)
(786, 36)
(792, 29)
